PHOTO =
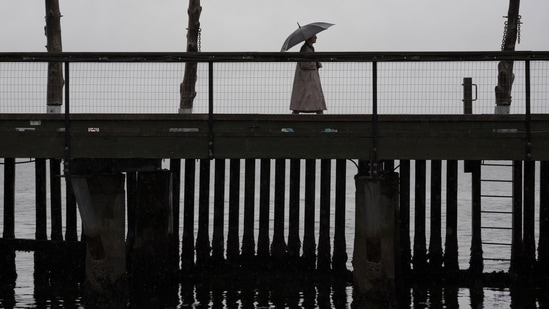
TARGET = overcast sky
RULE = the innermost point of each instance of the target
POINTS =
(259, 25)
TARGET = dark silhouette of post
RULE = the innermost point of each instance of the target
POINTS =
(188, 86)
(505, 68)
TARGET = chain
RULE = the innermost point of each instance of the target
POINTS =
(199, 39)
(505, 31)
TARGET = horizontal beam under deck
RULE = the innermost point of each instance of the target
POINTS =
(430, 137)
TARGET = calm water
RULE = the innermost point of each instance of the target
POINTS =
(24, 294)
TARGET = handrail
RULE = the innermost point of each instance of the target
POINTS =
(408, 56)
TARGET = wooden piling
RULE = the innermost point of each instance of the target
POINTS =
(202, 236)
(263, 241)
(476, 264)
(233, 242)
(543, 247)
(8, 274)
(218, 237)
(153, 276)
(324, 258)
(451, 264)
(294, 243)
(106, 252)
(71, 215)
(41, 196)
(339, 259)
(248, 237)
(187, 242)
(41, 260)
(175, 169)
(9, 198)
(529, 216)
(516, 233)
(404, 223)
(375, 257)
(309, 242)
(435, 242)
(420, 256)
(55, 200)
(278, 247)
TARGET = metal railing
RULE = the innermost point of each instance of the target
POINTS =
(261, 83)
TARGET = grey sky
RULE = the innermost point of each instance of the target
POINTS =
(259, 25)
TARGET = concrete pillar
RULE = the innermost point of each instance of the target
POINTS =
(375, 258)
(101, 201)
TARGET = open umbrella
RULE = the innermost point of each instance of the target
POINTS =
(303, 33)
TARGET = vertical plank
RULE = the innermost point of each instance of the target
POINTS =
(405, 244)
(435, 242)
(294, 244)
(248, 238)
(278, 247)
(420, 256)
(263, 240)
(476, 263)
(309, 242)
(202, 235)
(55, 200)
(233, 243)
(324, 258)
(218, 238)
(340, 245)
(451, 242)
(187, 242)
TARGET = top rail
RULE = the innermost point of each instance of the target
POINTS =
(406, 56)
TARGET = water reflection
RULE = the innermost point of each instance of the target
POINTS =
(278, 292)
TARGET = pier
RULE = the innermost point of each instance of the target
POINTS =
(259, 193)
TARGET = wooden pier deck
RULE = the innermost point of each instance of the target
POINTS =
(409, 137)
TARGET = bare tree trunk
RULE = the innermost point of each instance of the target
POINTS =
(55, 69)
(187, 88)
(505, 68)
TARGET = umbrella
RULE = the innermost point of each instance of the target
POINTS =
(303, 33)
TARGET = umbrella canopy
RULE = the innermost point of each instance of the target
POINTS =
(303, 33)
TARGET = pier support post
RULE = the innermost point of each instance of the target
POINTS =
(375, 258)
(8, 274)
(153, 266)
(101, 201)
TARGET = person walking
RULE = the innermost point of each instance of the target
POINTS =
(307, 95)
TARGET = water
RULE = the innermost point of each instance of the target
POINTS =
(24, 294)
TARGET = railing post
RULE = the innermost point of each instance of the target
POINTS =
(467, 95)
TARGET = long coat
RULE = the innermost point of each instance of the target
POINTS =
(307, 95)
